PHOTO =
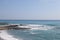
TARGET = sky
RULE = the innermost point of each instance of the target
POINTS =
(30, 9)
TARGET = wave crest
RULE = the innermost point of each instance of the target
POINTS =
(6, 36)
(36, 27)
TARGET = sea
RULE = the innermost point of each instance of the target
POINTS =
(40, 30)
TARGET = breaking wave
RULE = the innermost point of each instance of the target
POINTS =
(4, 35)
(36, 27)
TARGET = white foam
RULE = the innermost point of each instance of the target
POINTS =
(42, 28)
(37, 27)
(6, 36)
(33, 32)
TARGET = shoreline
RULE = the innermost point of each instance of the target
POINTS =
(0, 37)
(5, 36)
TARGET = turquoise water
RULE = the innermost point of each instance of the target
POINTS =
(49, 34)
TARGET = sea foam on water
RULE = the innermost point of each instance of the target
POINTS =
(36, 27)
(4, 35)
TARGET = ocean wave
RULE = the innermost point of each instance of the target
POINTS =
(36, 27)
(6, 36)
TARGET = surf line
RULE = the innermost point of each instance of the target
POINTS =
(4, 35)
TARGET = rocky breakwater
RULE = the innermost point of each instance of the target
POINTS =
(14, 26)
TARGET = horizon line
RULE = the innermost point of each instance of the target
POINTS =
(28, 19)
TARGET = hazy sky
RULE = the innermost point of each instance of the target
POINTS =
(30, 9)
